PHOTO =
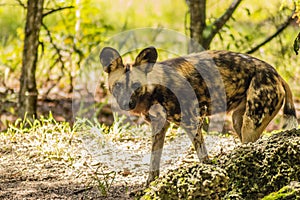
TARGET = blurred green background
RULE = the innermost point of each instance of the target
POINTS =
(69, 36)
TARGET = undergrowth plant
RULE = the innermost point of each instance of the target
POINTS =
(45, 137)
(100, 179)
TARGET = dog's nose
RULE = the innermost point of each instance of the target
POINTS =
(125, 105)
(132, 104)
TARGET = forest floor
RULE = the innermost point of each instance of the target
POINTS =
(53, 161)
(87, 166)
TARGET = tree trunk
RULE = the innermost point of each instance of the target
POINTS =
(28, 91)
(200, 32)
(197, 23)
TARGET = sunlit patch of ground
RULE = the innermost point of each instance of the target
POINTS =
(52, 160)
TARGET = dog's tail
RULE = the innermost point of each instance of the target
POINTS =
(289, 111)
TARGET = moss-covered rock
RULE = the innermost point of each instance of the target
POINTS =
(233, 195)
(259, 168)
(198, 181)
(250, 171)
(291, 191)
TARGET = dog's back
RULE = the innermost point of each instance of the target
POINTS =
(229, 81)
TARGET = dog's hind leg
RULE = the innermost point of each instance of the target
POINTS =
(265, 97)
(237, 118)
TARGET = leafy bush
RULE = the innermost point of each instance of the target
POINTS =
(291, 191)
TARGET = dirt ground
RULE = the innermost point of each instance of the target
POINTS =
(91, 170)
(89, 167)
(25, 174)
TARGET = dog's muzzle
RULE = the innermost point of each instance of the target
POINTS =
(127, 105)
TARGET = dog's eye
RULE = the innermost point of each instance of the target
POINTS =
(118, 85)
(136, 85)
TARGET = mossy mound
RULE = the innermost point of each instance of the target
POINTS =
(233, 195)
(250, 171)
(259, 168)
(198, 181)
(291, 191)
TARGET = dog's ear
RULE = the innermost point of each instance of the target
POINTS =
(110, 59)
(146, 59)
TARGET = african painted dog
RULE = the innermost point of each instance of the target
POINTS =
(183, 90)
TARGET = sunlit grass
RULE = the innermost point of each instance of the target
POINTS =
(55, 140)
(46, 140)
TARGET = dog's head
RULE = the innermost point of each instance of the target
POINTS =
(127, 82)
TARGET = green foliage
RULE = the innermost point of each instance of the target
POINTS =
(297, 10)
(254, 22)
(295, 5)
(11, 42)
(291, 191)
(11, 22)
(70, 36)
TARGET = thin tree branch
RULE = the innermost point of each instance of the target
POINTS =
(59, 59)
(297, 44)
(268, 39)
(221, 21)
(56, 10)
(58, 50)
(21, 4)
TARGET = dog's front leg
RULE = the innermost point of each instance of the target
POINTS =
(194, 131)
(159, 127)
(199, 144)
